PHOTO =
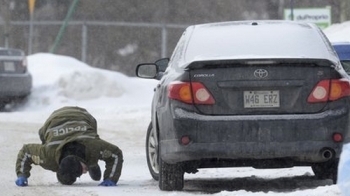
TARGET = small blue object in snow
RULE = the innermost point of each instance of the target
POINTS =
(343, 180)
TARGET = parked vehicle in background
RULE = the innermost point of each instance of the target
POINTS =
(265, 94)
(343, 51)
(15, 80)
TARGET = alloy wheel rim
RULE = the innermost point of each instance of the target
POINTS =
(153, 152)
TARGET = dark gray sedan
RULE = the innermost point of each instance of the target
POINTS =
(15, 80)
(265, 94)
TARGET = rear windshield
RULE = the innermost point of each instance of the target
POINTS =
(266, 40)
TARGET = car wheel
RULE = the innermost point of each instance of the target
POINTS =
(2, 107)
(326, 170)
(152, 152)
(171, 177)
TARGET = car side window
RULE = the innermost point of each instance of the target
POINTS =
(162, 64)
(178, 51)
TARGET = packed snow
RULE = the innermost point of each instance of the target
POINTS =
(121, 106)
(338, 32)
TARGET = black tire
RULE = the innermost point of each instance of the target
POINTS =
(11, 103)
(326, 170)
(171, 177)
(152, 152)
(2, 107)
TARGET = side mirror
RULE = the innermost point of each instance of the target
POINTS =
(147, 70)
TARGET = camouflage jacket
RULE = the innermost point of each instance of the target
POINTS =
(63, 126)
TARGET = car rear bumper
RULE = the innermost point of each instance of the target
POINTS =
(302, 138)
(13, 85)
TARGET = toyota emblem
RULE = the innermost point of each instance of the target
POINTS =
(261, 73)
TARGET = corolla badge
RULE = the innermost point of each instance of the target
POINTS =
(203, 75)
(261, 73)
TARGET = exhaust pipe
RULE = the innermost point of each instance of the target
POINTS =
(327, 153)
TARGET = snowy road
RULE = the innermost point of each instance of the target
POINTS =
(128, 132)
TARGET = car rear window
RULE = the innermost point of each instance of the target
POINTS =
(259, 40)
(11, 53)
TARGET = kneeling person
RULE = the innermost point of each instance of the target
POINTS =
(70, 147)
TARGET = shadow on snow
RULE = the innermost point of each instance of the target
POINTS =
(255, 184)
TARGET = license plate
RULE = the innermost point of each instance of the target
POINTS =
(9, 66)
(261, 99)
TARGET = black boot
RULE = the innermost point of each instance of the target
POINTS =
(95, 172)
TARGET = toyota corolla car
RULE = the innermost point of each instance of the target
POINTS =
(265, 94)
(15, 80)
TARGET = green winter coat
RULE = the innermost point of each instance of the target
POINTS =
(63, 126)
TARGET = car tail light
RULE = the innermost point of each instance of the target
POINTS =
(329, 90)
(190, 92)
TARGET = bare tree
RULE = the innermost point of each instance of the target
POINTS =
(344, 10)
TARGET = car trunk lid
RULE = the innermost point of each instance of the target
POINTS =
(261, 86)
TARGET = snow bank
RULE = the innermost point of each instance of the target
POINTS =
(338, 32)
(61, 80)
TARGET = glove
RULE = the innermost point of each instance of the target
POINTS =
(108, 183)
(22, 181)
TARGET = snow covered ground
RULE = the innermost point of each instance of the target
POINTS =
(121, 106)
